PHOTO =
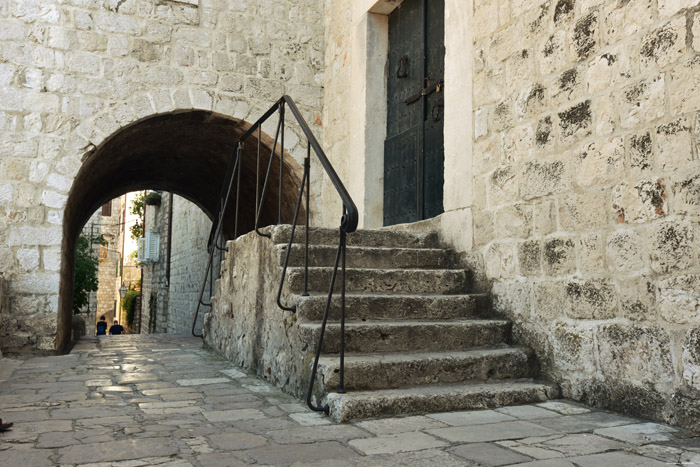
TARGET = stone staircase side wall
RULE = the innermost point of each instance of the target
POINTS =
(245, 324)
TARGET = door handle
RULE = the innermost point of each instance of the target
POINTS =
(435, 87)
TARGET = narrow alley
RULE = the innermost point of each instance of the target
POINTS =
(141, 400)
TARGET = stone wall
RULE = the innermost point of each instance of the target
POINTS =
(587, 192)
(74, 72)
(188, 262)
(246, 325)
(154, 285)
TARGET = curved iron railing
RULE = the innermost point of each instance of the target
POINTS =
(348, 223)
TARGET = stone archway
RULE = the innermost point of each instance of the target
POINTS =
(183, 152)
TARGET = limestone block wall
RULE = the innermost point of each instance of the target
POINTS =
(154, 284)
(188, 262)
(587, 192)
(74, 72)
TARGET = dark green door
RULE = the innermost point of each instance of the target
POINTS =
(414, 147)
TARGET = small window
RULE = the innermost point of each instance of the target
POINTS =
(107, 209)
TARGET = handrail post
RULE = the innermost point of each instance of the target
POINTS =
(279, 195)
(239, 163)
(343, 240)
(307, 168)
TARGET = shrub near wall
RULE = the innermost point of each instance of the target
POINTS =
(587, 192)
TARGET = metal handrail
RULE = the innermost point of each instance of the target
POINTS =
(348, 222)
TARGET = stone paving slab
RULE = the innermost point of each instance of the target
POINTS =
(163, 400)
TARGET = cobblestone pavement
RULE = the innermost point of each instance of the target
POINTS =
(166, 401)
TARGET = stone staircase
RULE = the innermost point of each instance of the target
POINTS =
(417, 339)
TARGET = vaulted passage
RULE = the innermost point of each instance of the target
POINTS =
(186, 153)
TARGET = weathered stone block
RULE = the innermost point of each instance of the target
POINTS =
(487, 154)
(642, 102)
(540, 178)
(514, 221)
(600, 161)
(684, 91)
(34, 236)
(582, 211)
(503, 187)
(584, 37)
(530, 258)
(641, 152)
(519, 70)
(592, 299)
(28, 259)
(512, 298)
(696, 32)
(551, 54)
(500, 260)
(573, 346)
(506, 42)
(664, 45)
(638, 298)
(590, 254)
(625, 250)
(674, 145)
(691, 358)
(481, 123)
(559, 256)
(483, 227)
(638, 354)
(672, 246)
(605, 113)
(517, 144)
(640, 202)
(35, 283)
(531, 101)
(485, 19)
(567, 87)
(575, 123)
(564, 12)
(545, 137)
(31, 11)
(687, 195)
(489, 86)
(51, 259)
(622, 20)
(550, 299)
(609, 69)
(679, 299)
(503, 115)
(671, 7)
(544, 217)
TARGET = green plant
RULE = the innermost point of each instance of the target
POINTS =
(86, 264)
(128, 304)
(153, 199)
(137, 209)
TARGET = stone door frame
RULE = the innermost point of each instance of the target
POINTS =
(368, 113)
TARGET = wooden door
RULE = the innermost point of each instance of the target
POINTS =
(414, 147)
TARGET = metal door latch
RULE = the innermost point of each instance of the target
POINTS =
(431, 88)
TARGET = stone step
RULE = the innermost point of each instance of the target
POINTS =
(370, 257)
(359, 307)
(395, 370)
(414, 281)
(437, 398)
(372, 238)
(408, 336)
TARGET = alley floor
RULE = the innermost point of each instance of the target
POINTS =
(164, 400)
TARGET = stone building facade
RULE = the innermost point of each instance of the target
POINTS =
(573, 188)
(76, 74)
(171, 286)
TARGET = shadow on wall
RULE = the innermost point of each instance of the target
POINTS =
(185, 153)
